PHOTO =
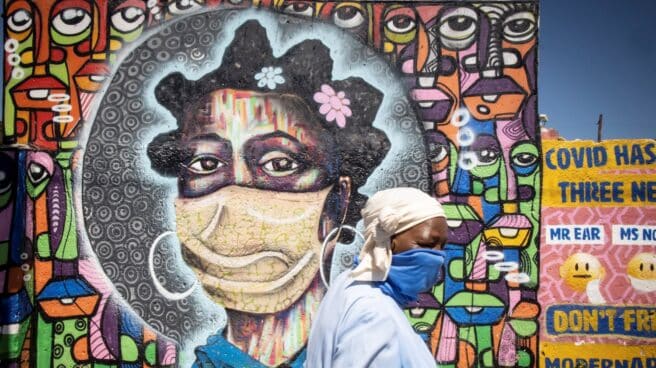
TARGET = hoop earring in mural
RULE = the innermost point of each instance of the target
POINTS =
(322, 254)
(151, 269)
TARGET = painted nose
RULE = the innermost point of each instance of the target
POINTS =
(243, 174)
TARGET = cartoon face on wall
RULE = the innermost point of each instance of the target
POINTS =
(506, 41)
(641, 270)
(63, 52)
(580, 269)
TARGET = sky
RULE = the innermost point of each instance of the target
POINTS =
(598, 57)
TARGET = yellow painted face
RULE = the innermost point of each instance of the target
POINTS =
(642, 271)
(581, 268)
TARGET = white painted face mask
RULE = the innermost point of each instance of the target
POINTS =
(252, 250)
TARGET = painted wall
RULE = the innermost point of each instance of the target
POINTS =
(179, 177)
(598, 258)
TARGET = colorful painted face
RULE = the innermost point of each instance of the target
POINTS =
(504, 62)
(253, 188)
(43, 73)
(580, 269)
(507, 165)
(410, 36)
(641, 270)
(114, 25)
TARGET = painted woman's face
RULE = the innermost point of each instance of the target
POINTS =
(251, 139)
(253, 189)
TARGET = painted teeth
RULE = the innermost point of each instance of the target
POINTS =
(426, 104)
(509, 232)
(38, 94)
(426, 81)
(490, 98)
(97, 78)
(473, 309)
(66, 301)
(416, 312)
(454, 223)
(11, 329)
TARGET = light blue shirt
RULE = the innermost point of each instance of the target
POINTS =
(358, 326)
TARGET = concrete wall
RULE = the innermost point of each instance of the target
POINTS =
(179, 175)
(597, 280)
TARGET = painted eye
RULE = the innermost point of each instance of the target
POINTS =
(401, 23)
(72, 21)
(487, 156)
(37, 173)
(19, 20)
(128, 19)
(524, 159)
(437, 152)
(304, 9)
(5, 182)
(182, 6)
(458, 28)
(519, 27)
(278, 164)
(348, 17)
(205, 164)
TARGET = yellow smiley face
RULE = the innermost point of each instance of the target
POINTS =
(641, 270)
(581, 268)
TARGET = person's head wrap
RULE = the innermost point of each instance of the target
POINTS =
(387, 213)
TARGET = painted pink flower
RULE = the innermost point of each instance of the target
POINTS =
(333, 105)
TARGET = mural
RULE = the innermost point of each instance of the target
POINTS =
(182, 179)
(598, 279)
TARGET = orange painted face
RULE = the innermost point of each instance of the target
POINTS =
(409, 35)
(504, 62)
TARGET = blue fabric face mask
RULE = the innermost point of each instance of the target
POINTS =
(412, 272)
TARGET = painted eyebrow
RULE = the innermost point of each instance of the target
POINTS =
(209, 137)
(277, 134)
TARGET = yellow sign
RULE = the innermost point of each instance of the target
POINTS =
(608, 174)
(589, 355)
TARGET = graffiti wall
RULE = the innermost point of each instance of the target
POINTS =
(598, 279)
(182, 179)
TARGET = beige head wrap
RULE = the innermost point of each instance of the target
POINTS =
(387, 213)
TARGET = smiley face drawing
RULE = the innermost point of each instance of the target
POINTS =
(641, 270)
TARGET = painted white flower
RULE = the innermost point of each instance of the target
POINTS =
(270, 77)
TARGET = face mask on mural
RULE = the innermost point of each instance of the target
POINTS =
(252, 250)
